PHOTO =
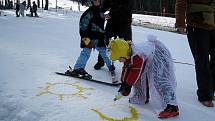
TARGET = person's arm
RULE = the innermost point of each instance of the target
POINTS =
(84, 23)
(131, 72)
(180, 14)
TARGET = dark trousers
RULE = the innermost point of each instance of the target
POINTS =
(34, 13)
(17, 13)
(202, 45)
(121, 30)
(113, 29)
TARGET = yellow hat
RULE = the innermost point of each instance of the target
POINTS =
(119, 48)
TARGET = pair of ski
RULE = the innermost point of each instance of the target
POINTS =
(91, 79)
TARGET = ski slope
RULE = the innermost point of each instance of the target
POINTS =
(32, 49)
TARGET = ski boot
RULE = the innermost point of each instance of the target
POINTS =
(170, 111)
(113, 77)
(113, 74)
(79, 73)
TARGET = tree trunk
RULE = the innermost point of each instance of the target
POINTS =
(38, 3)
(46, 5)
(29, 4)
(42, 3)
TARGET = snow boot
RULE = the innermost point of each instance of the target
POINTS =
(98, 65)
(113, 76)
(207, 103)
(170, 111)
(80, 73)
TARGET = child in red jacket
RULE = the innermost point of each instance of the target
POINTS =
(148, 67)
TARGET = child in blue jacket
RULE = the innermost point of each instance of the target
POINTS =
(92, 36)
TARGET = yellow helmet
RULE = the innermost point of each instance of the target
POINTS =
(119, 48)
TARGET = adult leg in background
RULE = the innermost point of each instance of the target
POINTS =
(199, 41)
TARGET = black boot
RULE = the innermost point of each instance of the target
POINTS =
(80, 73)
(100, 63)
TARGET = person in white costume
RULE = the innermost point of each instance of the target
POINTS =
(148, 67)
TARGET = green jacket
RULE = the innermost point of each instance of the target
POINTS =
(198, 13)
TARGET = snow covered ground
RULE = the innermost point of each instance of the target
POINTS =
(32, 49)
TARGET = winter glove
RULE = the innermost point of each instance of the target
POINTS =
(86, 41)
(124, 89)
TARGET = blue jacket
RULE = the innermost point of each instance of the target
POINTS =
(92, 25)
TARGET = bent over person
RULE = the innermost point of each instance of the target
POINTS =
(148, 67)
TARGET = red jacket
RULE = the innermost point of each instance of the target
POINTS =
(132, 70)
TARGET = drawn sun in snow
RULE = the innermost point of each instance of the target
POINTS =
(104, 114)
(62, 90)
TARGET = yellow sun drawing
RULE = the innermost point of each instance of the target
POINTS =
(133, 117)
(80, 93)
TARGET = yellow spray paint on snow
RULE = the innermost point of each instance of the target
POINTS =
(133, 117)
(80, 93)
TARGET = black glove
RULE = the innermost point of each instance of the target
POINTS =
(124, 89)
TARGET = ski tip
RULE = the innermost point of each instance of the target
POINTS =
(59, 73)
(117, 84)
(115, 81)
